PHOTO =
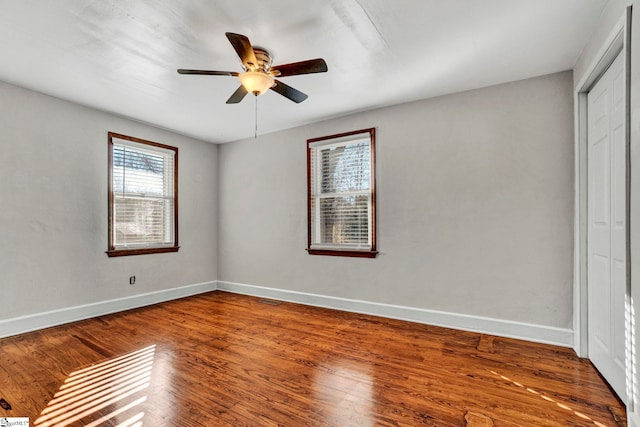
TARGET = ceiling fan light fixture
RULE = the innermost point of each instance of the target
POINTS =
(256, 82)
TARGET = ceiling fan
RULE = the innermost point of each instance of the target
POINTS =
(258, 75)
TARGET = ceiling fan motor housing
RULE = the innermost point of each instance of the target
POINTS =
(264, 60)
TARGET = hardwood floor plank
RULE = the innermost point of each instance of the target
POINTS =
(220, 359)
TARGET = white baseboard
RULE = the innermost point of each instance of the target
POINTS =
(485, 325)
(633, 419)
(505, 328)
(37, 321)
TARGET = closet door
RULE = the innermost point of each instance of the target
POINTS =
(606, 244)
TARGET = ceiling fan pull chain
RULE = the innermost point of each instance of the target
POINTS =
(255, 136)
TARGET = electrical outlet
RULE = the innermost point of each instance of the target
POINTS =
(132, 280)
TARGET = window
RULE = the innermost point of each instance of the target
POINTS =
(143, 196)
(341, 194)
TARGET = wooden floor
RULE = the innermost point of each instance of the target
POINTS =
(220, 359)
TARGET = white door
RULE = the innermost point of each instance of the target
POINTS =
(606, 239)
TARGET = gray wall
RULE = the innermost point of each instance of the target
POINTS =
(53, 221)
(475, 206)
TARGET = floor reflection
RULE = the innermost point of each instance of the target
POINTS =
(353, 408)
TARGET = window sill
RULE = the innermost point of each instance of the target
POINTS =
(141, 251)
(345, 253)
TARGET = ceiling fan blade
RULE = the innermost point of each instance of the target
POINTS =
(238, 95)
(303, 67)
(243, 48)
(288, 92)
(207, 72)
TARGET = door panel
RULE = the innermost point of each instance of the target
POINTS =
(599, 319)
(599, 184)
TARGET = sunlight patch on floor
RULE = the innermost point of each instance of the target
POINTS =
(549, 399)
(117, 383)
(630, 345)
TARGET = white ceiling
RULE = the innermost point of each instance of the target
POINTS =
(121, 55)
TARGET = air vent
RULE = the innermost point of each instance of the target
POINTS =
(269, 302)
